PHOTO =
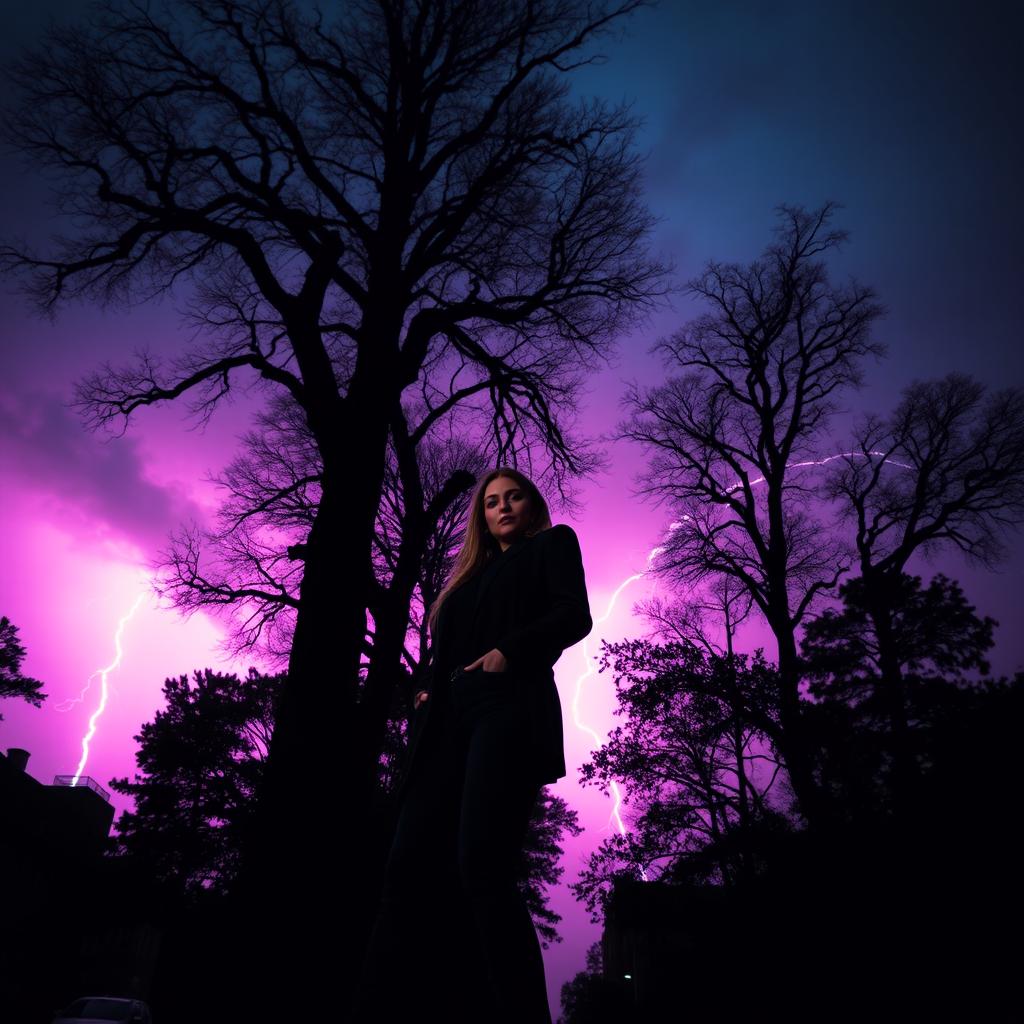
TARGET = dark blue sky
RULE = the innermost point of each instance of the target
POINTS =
(907, 113)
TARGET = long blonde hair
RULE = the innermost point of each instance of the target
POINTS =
(479, 546)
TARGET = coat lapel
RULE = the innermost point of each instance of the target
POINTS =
(506, 559)
(509, 556)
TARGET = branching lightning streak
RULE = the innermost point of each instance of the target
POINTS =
(70, 702)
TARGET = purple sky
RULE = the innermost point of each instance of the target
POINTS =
(908, 117)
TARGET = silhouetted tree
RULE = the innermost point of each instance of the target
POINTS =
(936, 637)
(677, 759)
(946, 468)
(552, 819)
(397, 197)
(251, 569)
(200, 761)
(273, 495)
(698, 619)
(728, 436)
(591, 998)
(12, 682)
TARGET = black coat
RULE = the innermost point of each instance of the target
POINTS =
(531, 608)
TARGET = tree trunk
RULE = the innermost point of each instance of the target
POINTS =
(796, 743)
(303, 859)
(904, 768)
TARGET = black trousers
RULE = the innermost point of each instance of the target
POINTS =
(458, 846)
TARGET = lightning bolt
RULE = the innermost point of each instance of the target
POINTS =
(102, 673)
(654, 552)
(580, 724)
(70, 702)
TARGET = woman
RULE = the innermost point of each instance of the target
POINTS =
(487, 737)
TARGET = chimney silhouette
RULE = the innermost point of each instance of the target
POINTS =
(18, 757)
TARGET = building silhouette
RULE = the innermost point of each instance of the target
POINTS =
(76, 920)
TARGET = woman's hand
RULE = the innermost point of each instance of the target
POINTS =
(420, 698)
(492, 661)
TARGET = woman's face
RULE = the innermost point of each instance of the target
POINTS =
(506, 509)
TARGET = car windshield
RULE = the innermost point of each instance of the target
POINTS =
(100, 1009)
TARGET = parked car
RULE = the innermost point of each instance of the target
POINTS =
(102, 1010)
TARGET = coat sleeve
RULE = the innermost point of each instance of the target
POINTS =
(426, 679)
(564, 619)
(416, 714)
